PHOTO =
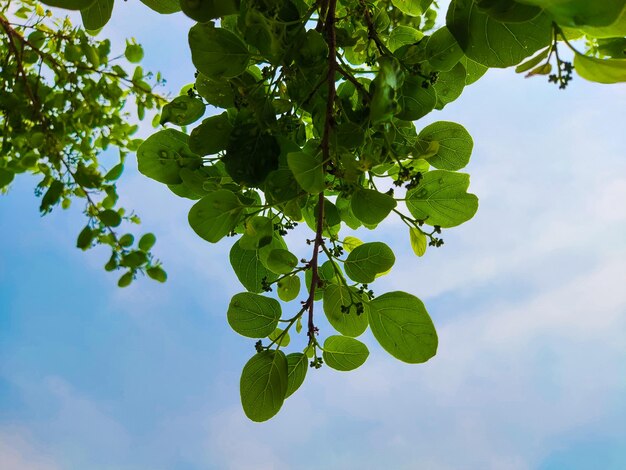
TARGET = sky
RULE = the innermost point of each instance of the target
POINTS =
(528, 299)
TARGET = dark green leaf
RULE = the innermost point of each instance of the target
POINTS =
(182, 110)
(370, 206)
(212, 136)
(97, 14)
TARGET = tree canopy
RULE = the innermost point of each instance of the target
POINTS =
(303, 112)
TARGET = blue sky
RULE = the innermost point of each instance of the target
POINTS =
(528, 298)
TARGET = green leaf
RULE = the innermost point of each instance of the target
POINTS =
(370, 206)
(281, 261)
(85, 238)
(350, 243)
(216, 92)
(411, 7)
(147, 241)
(415, 101)
(343, 353)
(493, 43)
(125, 280)
(69, 4)
(402, 326)
(402, 35)
(97, 14)
(508, 11)
(368, 260)
(532, 62)
(442, 199)
(182, 110)
(284, 337)
(253, 315)
(157, 274)
(473, 69)
(207, 10)
(297, 365)
(453, 143)
(576, 13)
(347, 323)
(216, 215)
(133, 52)
(263, 385)
(110, 218)
(308, 170)
(6, 177)
(450, 85)
(249, 268)
(600, 70)
(163, 6)
(288, 288)
(418, 241)
(115, 172)
(251, 155)
(212, 136)
(258, 233)
(442, 51)
(216, 52)
(162, 155)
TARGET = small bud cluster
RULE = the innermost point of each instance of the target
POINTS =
(564, 75)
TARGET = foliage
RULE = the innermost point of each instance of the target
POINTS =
(60, 109)
(318, 102)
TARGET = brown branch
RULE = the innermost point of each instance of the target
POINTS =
(329, 27)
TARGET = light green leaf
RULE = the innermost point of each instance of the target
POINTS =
(442, 199)
(258, 233)
(347, 323)
(454, 145)
(69, 4)
(368, 260)
(216, 52)
(284, 337)
(402, 326)
(288, 288)
(308, 170)
(263, 385)
(215, 215)
(402, 35)
(493, 43)
(162, 155)
(600, 70)
(97, 14)
(343, 353)
(253, 315)
(418, 241)
(350, 243)
(281, 261)
(249, 268)
(370, 206)
(442, 50)
(297, 365)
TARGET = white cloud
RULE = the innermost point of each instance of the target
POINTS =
(18, 451)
